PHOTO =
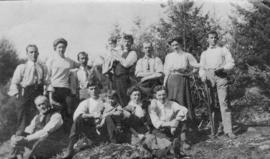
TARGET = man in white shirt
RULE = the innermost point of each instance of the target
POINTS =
(27, 83)
(215, 63)
(149, 70)
(86, 119)
(80, 77)
(44, 130)
(168, 119)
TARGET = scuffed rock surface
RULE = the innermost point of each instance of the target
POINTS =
(114, 151)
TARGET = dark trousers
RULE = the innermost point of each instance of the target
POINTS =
(84, 127)
(63, 96)
(42, 149)
(27, 109)
(117, 129)
(122, 83)
(176, 138)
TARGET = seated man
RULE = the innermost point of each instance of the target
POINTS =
(114, 117)
(149, 70)
(168, 119)
(43, 132)
(86, 119)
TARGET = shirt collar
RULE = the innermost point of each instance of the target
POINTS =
(163, 105)
(30, 63)
(146, 57)
(134, 104)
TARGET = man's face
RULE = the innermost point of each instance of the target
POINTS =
(111, 101)
(175, 45)
(32, 53)
(93, 91)
(42, 105)
(135, 96)
(127, 44)
(212, 39)
(83, 59)
(147, 49)
(61, 49)
(161, 96)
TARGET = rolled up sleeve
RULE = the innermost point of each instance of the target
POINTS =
(82, 108)
(154, 116)
(229, 61)
(16, 79)
(55, 123)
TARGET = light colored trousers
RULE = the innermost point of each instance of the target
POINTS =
(221, 85)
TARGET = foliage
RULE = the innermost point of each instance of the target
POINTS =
(251, 33)
(8, 60)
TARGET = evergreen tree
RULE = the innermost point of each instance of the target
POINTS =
(8, 60)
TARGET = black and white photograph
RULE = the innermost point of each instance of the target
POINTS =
(134, 79)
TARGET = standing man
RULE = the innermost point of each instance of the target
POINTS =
(26, 84)
(82, 76)
(215, 62)
(149, 70)
(122, 69)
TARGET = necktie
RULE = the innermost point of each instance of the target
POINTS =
(148, 65)
(35, 75)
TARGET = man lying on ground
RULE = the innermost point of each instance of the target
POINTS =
(41, 135)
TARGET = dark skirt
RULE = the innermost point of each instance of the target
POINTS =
(179, 91)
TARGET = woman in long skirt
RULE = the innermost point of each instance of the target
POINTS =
(177, 68)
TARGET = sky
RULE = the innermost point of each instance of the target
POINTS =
(85, 24)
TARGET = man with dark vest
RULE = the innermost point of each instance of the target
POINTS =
(42, 135)
(26, 84)
(123, 69)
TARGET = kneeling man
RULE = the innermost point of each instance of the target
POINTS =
(43, 132)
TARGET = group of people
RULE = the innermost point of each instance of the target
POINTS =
(156, 106)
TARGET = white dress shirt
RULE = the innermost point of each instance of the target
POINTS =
(25, 75)
(213, 58)
(89, 106)
(148, 64)
(166, 112)
(80, 77)
(135, 108)
(55, 122)
(183, 60)
(59, 71)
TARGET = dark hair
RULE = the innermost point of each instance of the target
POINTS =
(94, 82)
(177, 39)
(82, 53)
(159, 88)
(58, 41)
(128, 37)
(133, 89)
(213, 32)
(31, 45)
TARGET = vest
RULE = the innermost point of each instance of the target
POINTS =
(41, 124)
(119, 69)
